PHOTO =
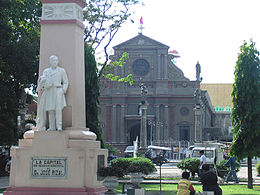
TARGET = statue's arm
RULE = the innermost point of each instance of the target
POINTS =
(40, 86)
(65, 81)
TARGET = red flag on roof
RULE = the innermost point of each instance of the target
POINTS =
(141, 20)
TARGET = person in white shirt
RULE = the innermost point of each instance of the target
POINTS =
(202, 162)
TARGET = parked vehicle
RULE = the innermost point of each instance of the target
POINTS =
(129, 151)
(8, 166)
(5, 160)
(189, 151)
(213, 151)
(157, 154)
(111, 157)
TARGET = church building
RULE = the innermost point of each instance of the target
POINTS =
(177, 109)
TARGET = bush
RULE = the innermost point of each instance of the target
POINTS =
(258, 167)
(111, 149)
(122, 163)
(222, 170)
(190, 164)
(142, 165)
(134, 165)
(110, 171)
(221, 165)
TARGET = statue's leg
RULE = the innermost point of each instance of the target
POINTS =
(59, 119)
(51, 121)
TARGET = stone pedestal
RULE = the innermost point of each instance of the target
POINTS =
(198, 126)
(140, 191)
(52, 162)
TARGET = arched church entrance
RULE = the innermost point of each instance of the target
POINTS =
(133, 132)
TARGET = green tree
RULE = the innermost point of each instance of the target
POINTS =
(103, 18)
(92, 92)
(246, 106)
(19, 51)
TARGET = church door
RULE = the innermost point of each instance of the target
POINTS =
(184, 132)
(133, 133)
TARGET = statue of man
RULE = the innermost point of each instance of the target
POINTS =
(52, 85)
(198, 71)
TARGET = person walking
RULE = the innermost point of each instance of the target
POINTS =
(232, 162)
(184, 186)
(202, 162)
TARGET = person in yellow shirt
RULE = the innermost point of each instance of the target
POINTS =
(185, 186)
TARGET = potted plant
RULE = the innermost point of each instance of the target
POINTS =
(122, 163)
(190, 164)
(110, 175)
(223, 170)
(138, 168)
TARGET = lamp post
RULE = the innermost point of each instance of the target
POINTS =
(151, 123)
(197, 115)
(143, 107)
(160, 124)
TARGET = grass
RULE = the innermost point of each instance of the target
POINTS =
(171, 189)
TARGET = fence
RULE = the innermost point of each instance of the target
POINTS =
(178, 148)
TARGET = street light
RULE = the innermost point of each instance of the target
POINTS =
(143, 107)
(151, 123)
(160, 124)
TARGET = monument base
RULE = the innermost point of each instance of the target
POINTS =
(54, 191)
(53, 162)
(139, 191)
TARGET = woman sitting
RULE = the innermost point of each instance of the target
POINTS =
(184, 186)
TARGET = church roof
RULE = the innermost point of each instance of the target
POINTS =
(220, 93)
(142, 40)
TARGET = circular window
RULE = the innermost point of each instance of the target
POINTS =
(184, 111)
(141, 67)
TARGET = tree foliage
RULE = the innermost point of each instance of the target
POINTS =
(246, 106)
(112, 67)
(19, 48)
(19, 53)
(92, 92)
(246, 103)
(103, 18)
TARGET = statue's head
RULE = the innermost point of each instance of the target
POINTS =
(54, 61)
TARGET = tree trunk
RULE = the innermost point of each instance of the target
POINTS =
(249, 173)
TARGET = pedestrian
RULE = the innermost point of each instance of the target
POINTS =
(185, 186)
(202, 162)
(232, 162)
(209, 181)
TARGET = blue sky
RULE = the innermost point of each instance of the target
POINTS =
(208, 31)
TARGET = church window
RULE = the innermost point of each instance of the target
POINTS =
(141, 67)
(184, 111)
